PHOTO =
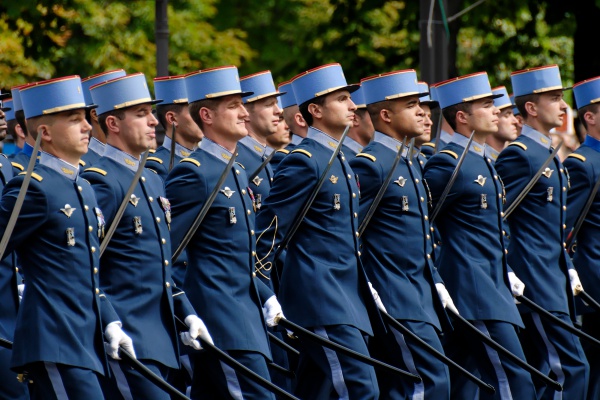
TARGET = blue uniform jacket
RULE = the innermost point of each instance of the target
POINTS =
(323, 281)
(63, 313)
(472, 259)
(404, 279)
(584, 170)
(136, 266)
(219, 278)
(9, 273)
(351, 148)
(159, 162)
(281, 153)
(537, 226)
(20, 161)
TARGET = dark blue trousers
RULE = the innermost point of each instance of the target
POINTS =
(215, 380)
(347, 378)
(467, 349)
(62, 382)
(128, 384)
(558, 353)
(10, 388)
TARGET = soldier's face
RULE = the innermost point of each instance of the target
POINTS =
(68, 134)
(407, 117)
(337, 112)
(264, 116)
(483, 118)
(551, 109)
(507, 125)
(281, 138)
(186, 126)
(229, 119)
(427, 124)
(137, 129)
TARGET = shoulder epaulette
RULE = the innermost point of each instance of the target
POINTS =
(97, 170)
(82, 163)
(33, 175)
(284, 151)
(158, 160)
(152, 151)
(366, 155)
(17, 165)
(150, 169)
(302, 151)
(453, 154)
(429, 144)
(191, 160)
(420, 153)
(240, 164)
(577, 156)
(521, 145)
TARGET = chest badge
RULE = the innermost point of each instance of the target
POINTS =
(70, 236)
(101, 222)
(232, 217)
(166, 206)
(68, 210)
(134, 200)
(257, 180)
(480, 180)
(336, 202)
(550, 192)
(333, 179)
(404, 203)
(137, 225)
(548, 172)
(484, 203)
(227, 192)
(400, 181)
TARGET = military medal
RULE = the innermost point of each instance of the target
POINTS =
(333, 179)
(166, 205)
(336, 202)
(227, 192)
(257, 180)
(550, 192)
(484, 203)
(251, 194)
(480, 180)
(101, 222)
(68, 210)
(232, 217)
(548, 172)
(258, 201)
(70, 236)
(400, 181)
(404, 203)
(134, 200)
(137, 225)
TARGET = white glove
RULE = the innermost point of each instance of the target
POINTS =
(271, 310)
(517, 287)
(197, 328)
(445, 297)
(20, 290)
(377, 298)
(116, 337)
(575, 282)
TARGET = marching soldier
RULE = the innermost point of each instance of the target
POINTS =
(536, 251)
(426, 104)
(507, 125)
(220, 278)
(13, 128)
(445, 130)
(282, 137)
(323, 286)
(472, 260)
(173, 112)
(63, 314)
(98, 137)
(136, 266)
(361, 132)
(583, 167)
(262, 121)
(408, 283)
(293, 119)
(19, 161)
(9, 290)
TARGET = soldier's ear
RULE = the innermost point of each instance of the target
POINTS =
(94, 114)
(300, 120)
(315, 110)
(461, 117)
(112, 123)
(531, 108)
(206, 115)
(590, 118)
(384, 114)
(171, 117)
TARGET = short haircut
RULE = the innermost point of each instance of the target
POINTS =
(320, 101)
(20, 116)
(593, 108)
(163, 109)
(120, 114)
(522, 100)
(196, 106)
(450, 112)
(34, 123)
(11, 127)
(374, 109)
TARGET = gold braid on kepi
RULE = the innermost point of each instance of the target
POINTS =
(259, 266)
